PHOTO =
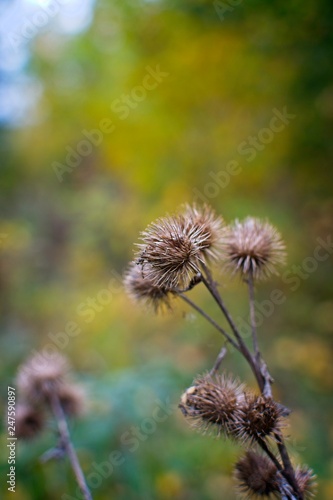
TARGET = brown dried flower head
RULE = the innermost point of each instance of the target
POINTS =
(258, 419)
(254, 247)
(175, 247)
(141, 289)
(41, 375)
(306, 481)
(213, 403)
(256, 476)
(72, 399)
(207, 229)
(29, 421)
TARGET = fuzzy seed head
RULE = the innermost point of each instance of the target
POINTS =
(29, 421)
(142, 290)
(305, 479)
(168, 255)
(256, 476)
(207, 229)
(40, 376)
(212, 403)
(72, 399)
(254, 246)
(259, 418)
(175, 247)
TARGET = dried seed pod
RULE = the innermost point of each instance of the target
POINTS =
(254, 246)
(29, 421)
(212, 403)
(306, 481)
(207, 229)
(256, 476)
(258, 419)
(175, 247)
(72, 399)
(40, 376)
(141, 289)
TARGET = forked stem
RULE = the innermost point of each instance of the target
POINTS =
(259, 368)
(208, 318)
(65, 438)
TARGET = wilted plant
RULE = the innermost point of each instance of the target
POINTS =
(44, 387)
(175, 255)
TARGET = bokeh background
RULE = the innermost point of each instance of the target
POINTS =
(69, 221)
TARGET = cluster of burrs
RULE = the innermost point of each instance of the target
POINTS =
(45, 391)
(40, 381)
(177, 253)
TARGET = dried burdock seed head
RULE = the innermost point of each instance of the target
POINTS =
(169, 257)
(207, 229)
(254, 246)
(72, 399)
(29, 421)
(142, 290)
(41, 375)
(175, 247)
(256, 476)
(258, 418)
(306, 481)
(212, 403)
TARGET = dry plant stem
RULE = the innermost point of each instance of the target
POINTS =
(267, 385)
(271, 455)
(282, 471)
(263, 381)
(211, 286)
(208, 318)
(219, 360)
(67, 443)
(253, 317)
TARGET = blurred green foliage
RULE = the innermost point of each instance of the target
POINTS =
(64, 242)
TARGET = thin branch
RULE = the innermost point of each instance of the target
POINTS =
(194, 282)
(288, 468)
(250, 283)
(67, 444)
(283, 471)
(271, 455)
(212, 288)
(267, 391)
(219, 360)
(208, 318)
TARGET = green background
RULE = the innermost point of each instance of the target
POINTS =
(229, 65)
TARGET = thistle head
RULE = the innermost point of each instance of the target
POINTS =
(175, 247)
(40, 376)
(29, 421)
(207, 229)
(212, 403)
(72, 399)
(256, 476)
(306, 481)
(254, 247)
(259, 418)
(142, 290)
